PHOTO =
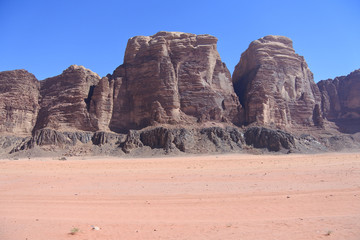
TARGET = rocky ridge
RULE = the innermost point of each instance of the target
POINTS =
(174, 95)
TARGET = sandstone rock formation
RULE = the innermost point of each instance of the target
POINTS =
(172, 77)
(66, 100)
(173, 94)
(275, 85)
(101, 104)
(341, 100)
(19, 96)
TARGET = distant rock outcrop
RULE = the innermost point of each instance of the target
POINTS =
(275, 86)
(172, 78)
(341, 101)
(19, 102)
(66, 100)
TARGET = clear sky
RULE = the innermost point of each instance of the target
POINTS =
(46, 36)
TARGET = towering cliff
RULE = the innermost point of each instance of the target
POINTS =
(341, 100)
(173, 93)
(19, 96)
(66, 99)
(172, 77)
(275, 85)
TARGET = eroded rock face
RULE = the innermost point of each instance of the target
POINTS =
(341, 96)
(275, 85)
(178, 79)
(51, 137)
(66, 101)
(172, 77)
(212, 139)
(19, 96)
(101, 104)
(273, 140)
(341, 100)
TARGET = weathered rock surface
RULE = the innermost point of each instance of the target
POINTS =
(173, 140)
(101, 105)
(66, 100)
(50, 137)
(341, 101)
(103, 138)
(172, 78)
(132, 141)
(19, 97)
(168, 140)
(211, 139)
(275, 85)
(8, 143)
(273, 140)
(174, 95)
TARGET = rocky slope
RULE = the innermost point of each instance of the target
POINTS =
(275, 85)
(164, 140)
(341, 101)
(172, 78)
(19, 102)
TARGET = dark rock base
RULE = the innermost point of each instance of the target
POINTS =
(167, 140)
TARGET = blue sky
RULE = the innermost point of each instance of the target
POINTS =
(45, 37)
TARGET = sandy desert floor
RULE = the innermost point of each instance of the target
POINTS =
(204, 197)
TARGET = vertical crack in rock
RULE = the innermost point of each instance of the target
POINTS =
(88, 99)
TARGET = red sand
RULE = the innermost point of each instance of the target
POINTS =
(208, 197)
